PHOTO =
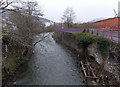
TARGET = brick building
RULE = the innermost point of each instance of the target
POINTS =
(110, 23)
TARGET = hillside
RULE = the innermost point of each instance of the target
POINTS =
(47, 22)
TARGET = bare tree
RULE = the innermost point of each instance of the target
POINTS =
(68, 17)
(29, 7)
(4, 4)
(26, 20)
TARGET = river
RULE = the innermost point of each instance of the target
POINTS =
(51, 64)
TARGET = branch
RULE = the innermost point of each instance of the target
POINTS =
(8, 10)
(40, 40)
(7, 4)
(4, 5)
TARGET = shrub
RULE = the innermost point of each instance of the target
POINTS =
(84, 39)
(103, 43)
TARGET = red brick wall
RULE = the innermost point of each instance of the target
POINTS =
(109, 23)
(119, 23)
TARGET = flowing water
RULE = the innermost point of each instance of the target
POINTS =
(51, 64)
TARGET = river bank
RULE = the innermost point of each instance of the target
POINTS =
(102, 77)
(14, 60)
(10, 79)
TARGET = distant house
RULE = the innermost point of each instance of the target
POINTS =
(110, 23)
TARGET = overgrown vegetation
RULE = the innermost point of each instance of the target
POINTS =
(18, 34)
(83, 40)
(104, 45)
(14, 57)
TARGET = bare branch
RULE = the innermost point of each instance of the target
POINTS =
(26, 22)
(41, 39)
(4, 4)
(68, 17)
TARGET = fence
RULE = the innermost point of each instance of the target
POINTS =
(112, 34)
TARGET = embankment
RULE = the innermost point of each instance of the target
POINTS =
(14, 59)
(102, 57)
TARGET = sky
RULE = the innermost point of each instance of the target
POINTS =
(85, 10)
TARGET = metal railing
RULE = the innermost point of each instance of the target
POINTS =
(112, 34)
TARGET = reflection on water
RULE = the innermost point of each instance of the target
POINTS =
(51, 64)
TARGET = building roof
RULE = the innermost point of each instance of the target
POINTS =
(106, 19)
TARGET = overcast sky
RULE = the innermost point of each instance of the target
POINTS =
(85, 10)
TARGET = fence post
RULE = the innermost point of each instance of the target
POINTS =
(111, 34)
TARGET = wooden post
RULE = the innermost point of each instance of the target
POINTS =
(83, 69)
